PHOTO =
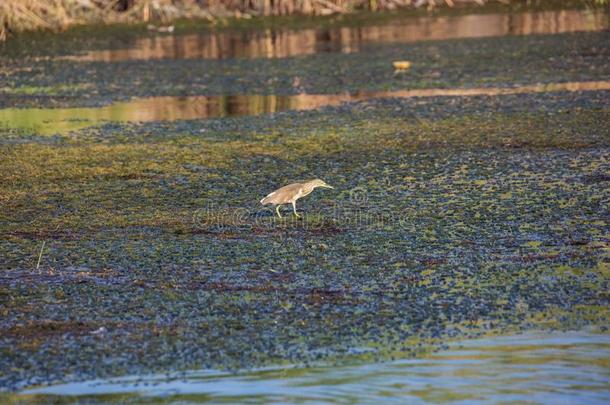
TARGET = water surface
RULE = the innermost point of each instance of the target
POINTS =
(282, 43)
(534, 368)
(169, 108)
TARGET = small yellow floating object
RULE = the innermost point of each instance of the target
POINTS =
(401, 64)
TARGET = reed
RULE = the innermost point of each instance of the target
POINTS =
(56, 15)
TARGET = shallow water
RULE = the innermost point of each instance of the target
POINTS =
(545, 367)
(168, 108)
(282, 43)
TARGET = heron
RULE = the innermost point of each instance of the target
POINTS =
(291, 193)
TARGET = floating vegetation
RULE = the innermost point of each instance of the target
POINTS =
(138, 247)
(440, 228)
(519, 61)
(61, 120)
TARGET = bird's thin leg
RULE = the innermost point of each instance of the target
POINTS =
(294, 208)
(277, 209)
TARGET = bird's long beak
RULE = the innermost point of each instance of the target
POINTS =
(327, 186)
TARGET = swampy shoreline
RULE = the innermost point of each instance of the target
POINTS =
(132, 248)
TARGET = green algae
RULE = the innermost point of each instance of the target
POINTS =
(451, 218)
(50, 90)
(78, 171)
(56, 121)
(439, 228)
(435, 64)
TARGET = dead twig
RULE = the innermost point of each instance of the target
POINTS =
(40, 254)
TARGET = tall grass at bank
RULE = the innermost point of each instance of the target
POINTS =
(56, 15)
(28, 15)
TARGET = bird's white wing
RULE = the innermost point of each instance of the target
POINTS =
(268, 195)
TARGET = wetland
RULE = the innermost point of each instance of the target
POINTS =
(470, 208)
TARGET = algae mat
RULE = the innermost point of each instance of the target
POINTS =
(452, 217)
(137, 248)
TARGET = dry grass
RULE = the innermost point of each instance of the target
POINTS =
(56, 15)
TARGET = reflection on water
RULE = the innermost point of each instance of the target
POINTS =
(537, 368)
(61, 120)
(283, 43)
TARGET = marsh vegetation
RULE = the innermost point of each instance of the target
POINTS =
(136, 246)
